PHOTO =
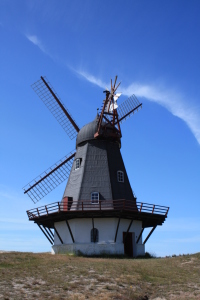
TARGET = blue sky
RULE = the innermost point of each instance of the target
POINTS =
(153, 47)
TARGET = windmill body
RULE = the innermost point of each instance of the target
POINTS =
(95, 171)
(99, 212)
(95, 168)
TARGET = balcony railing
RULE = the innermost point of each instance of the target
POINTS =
(86, 205)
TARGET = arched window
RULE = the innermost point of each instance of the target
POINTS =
(94, 235)
(120, 176)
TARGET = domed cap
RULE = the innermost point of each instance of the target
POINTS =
(87, 132)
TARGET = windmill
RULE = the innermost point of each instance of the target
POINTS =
(98, 211)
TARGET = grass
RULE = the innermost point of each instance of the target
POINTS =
(46, 276)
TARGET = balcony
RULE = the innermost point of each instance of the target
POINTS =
(149, 214)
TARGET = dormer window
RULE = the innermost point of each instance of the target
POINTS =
(120, 176)
(95, 198)
(77, 163)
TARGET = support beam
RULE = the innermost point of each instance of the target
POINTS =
(48, 234)
(58, 235)
(117, 230)
(94, 232)
(128, 230)
(45, 234)
(51, 233)
(139, 235)
(70, 231)
(150, 233)
(93, 228)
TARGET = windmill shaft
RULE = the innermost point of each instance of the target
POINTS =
(117, 86)
(107, 104)
(115, 80)
(61, 106)
(115, 130)
(48, 174)
(101, 116)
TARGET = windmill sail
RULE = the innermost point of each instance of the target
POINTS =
(47, 94)
(127, 107)
(50, 179)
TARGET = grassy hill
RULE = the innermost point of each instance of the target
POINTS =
(46, 276)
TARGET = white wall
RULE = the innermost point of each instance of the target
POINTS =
(81, 230)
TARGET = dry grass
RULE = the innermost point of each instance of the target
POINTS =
(44, 276)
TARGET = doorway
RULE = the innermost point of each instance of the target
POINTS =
(128, 243)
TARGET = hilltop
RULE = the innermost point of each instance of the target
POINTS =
(46, 276)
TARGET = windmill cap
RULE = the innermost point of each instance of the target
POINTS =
(87, 132)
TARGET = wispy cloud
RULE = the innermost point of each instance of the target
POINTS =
(91, 78)
(35, 40)
(170, 99)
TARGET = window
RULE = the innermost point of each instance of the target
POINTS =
(120, 176)
(77, 163)
(95, 198)
(94, 235)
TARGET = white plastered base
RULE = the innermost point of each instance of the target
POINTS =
(89, 249)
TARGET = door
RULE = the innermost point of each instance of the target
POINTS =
(128, 244)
